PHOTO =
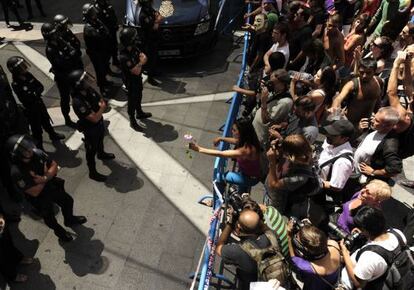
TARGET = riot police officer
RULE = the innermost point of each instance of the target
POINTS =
(34, 174)
(89, 107)
(150, 20)
(97, 37)
(63, 28)
(106, 14)
(12, 122)
(29, 92)
(64, 59)
(13, 5)
(132, 59)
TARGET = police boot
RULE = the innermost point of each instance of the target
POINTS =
(95, 175)
(143, 115)
(70, 123)
(56, 136)
(105, 156)
(63, 235)
(134, 125)
(75, 220)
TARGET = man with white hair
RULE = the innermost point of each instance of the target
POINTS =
(377, 155)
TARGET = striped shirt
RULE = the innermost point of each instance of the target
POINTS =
(276, 222)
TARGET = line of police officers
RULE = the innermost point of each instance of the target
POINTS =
(30, 171)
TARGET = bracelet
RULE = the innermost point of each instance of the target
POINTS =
(373, 173)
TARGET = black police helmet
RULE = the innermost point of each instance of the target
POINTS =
(48, 30)
(62, 21)
(128, 36)
(76, 78)
(20, 147)
(17, 64)
(102, 3)
(89, 12)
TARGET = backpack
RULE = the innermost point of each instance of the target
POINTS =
(271, 264)
(346, 155)
(400, 272)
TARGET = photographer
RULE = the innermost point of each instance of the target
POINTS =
(316, 259)
(276, 104)
(247, 227)
(373, 194)
(365, 267)
(291, 183)
(34, 174)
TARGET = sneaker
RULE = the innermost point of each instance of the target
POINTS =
(56, 136)
(76, 220)
(144, 115)
(106, 156)
(97, 176)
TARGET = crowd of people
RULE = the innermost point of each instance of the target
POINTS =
(327, 119)
(27, 171)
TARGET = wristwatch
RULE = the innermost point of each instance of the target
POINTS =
(372, 173)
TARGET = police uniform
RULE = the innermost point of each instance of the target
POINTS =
(151, 37)
(108, 17)
(53, 191)
(83, 105)
(71, 38)
(12, 4)
(29, 92)
(128, 60)
(64, 59)
(97, 37)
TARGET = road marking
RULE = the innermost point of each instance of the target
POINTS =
(36, 58)
(176, 183)
(195, 99)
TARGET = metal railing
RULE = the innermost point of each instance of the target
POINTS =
(205, 270)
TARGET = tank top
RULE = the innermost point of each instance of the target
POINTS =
(249, 167)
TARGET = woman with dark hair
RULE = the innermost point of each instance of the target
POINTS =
(316, 56)
(246, 151)
(381, 51)
(324, 84)
(317, 260)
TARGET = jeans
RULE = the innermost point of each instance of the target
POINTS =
(240, 179)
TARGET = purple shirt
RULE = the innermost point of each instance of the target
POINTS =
(311, 280)
(345, 220)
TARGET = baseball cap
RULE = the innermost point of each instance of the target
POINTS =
(339, 128)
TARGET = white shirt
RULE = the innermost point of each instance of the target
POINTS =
(371, 265)
(283, 49)
(367, 148)
(341, 168)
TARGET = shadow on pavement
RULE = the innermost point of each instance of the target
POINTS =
(159, 132)
(36, 279)
(123, 178)
(172, 86)
(83, 254)
(395, 211)
(64, 156)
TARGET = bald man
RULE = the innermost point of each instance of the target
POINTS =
(248, 227)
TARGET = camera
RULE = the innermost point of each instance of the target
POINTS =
(352, 241)
(297, 224)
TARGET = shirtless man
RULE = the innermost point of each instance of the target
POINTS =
(333, 41)
(362, 94)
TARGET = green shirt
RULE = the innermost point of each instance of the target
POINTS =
(277, 223)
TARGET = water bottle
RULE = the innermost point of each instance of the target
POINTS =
(302, 75)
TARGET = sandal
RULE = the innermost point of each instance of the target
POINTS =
(21, 278)
(207, 202)
(27, 261)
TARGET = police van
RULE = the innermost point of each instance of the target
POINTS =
(189, 28)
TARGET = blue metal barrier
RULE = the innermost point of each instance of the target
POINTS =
(207, 266)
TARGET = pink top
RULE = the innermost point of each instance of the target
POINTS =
(249, 167)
